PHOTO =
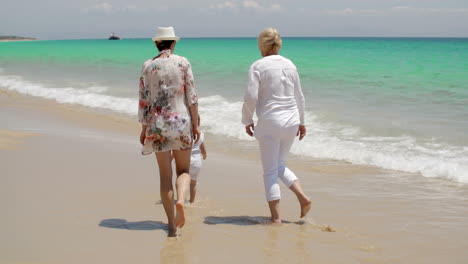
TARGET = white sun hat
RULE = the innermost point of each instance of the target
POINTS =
(165, 33)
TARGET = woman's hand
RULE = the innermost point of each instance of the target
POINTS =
(143, 135)
(250, 129)
(301, 132)
(196, 133)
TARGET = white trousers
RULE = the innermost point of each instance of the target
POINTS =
(274, 149)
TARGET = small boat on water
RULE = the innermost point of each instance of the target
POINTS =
(114, 37)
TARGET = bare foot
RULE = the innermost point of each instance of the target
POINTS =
(172, 232)
(305, 207)
(276, 222)
(180, 214)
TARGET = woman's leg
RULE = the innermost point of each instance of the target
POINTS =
(269, 152)
(182, 160)
(304, 201)
(166, 190)
(287, 139)
(275, 211)
(286, 175)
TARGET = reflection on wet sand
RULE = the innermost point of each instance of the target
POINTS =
(173, 251)
(270, 250)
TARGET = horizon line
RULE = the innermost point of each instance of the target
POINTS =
(284, 37)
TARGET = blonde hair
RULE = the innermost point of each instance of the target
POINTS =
(269, 41)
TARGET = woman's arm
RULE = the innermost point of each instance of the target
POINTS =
(299, 96)
(195, 129)
(143, 134)
(143, 105)
(192, 100)
(250, 100)
(300, 101)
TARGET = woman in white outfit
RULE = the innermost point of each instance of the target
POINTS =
(274, 91)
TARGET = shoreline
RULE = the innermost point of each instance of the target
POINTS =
(76, 176)
(107, 120)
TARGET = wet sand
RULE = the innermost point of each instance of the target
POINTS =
(75, 189)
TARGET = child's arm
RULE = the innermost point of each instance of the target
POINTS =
(203, 150)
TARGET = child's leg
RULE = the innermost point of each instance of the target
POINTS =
(193, 190)
(193, 183)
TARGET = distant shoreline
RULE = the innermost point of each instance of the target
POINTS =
(15, 38)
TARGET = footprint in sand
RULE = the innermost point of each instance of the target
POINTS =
(327, 229)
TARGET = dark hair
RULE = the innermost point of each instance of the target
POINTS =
(198, 119)
(164, 44)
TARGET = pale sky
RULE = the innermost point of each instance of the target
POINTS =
(65, 19)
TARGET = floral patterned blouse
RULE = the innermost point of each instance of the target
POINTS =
(166, 91)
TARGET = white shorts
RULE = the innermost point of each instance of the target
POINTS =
(194, 171)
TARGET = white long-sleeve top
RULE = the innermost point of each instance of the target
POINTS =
(274, 91)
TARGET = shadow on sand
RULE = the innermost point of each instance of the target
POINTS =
(242, 220)
(140, 225)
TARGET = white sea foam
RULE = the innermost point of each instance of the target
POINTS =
(90, 97)
(324, 140)
(332, 141)
(97, 89)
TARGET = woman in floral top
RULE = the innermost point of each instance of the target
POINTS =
(167, 106)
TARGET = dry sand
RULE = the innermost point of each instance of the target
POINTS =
(16, 39)
(75, 189)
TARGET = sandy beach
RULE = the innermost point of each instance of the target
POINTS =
(75, 189)
(10, 40)
(7, 39)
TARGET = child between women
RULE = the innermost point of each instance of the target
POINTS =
(198, 153)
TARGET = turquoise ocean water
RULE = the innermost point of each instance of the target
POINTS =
(394, 103)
